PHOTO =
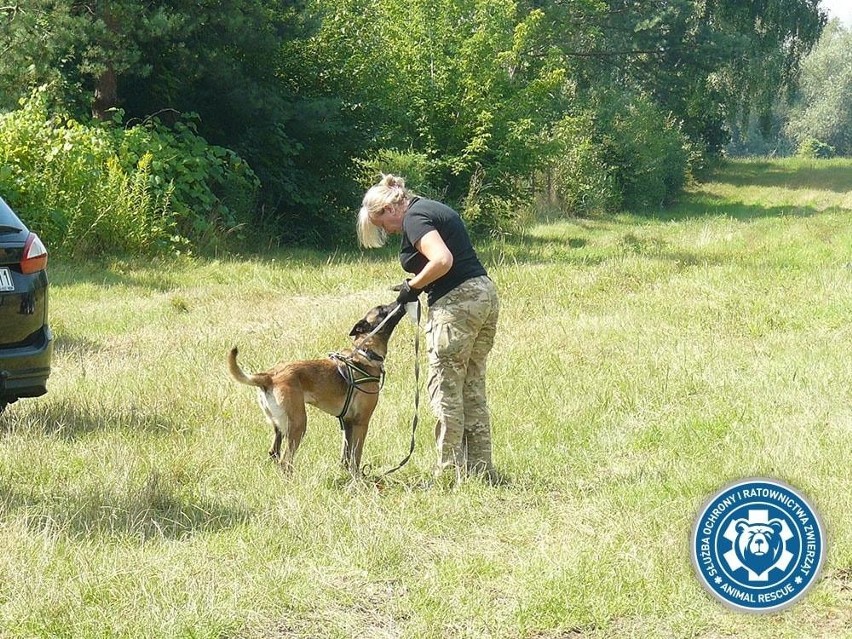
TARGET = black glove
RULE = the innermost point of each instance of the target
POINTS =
(407, 293)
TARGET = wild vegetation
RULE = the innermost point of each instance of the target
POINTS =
(643, 361)
(814, 118)
(591, 105)
(92, 190)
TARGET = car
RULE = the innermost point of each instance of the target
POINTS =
(26, 341)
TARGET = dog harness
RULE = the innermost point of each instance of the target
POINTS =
(355, 376)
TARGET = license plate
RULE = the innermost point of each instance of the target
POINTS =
(6, 283)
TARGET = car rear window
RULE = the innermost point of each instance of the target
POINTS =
(7, 217)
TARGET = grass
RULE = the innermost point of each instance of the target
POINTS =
(643, 361)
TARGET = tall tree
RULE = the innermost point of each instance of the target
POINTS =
(822, 111)
(83, 47)
(468, 83)
(706, 62)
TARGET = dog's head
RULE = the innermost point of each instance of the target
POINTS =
(374, 317)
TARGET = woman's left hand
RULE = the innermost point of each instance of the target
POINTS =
(407, 293)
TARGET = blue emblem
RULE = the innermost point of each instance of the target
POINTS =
(758, 545)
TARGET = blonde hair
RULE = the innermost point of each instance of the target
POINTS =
(390, 190)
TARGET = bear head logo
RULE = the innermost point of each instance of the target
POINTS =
(758, 546)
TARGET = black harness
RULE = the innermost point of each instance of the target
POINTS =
(355, 377)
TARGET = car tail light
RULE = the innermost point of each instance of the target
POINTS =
(35, 255)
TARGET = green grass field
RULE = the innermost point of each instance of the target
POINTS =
(643, 361)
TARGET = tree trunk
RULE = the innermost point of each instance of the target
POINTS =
(106, 89)
(106, 94)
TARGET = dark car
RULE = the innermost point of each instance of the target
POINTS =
(26, 343)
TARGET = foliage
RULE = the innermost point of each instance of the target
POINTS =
(488, 87)
(646, 153)
(578, 179)
(812, 148)
(823, 110)
(227, 62)
(463, 83)
(66, 181)
(762, 138)
(211, 188)
(306, 91)
(91, 189)
(487, 212)
(409, 164)
(816, 119)
(705, 63)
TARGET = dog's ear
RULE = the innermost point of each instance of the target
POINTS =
(361, 328)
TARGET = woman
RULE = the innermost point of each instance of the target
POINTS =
(463, 310)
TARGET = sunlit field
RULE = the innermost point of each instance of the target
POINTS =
(643, 361)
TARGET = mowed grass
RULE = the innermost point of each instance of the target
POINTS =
(643, 361)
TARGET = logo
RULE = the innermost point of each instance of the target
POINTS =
(758, 545)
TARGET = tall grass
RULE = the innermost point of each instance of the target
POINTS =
(642, 362)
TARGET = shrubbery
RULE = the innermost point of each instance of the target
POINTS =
(211, 188)
(90, 189)
(578, 178)
(413, 166)
(486, 213)
(624, 153)
(812, 148)
(645, 153)
(105, 188)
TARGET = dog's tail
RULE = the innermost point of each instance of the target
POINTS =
(261, 380)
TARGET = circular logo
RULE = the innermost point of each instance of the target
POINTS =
(758, 545)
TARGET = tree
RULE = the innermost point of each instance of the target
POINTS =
(82, 48)
(483, 94)
(707, 63)
(822, 112)
(472, 84)
(228, 61)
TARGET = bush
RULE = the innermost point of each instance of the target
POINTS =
(103, 189)
(211, 189)
(578, 181)
(413, 166)
(812, 148)
(489, 213)
(483, 212)
(645, 151)
(65, 181)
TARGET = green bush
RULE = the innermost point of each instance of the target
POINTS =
(488, 213)
(211, 189)
(64, 180)
(413, 166)
(645, 151)
(813, 148)
(101, 188)
(485, 213)
(578, 180)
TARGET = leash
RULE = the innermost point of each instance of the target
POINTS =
(399, 307)
(416, 397)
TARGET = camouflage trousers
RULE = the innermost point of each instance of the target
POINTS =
(459, 335)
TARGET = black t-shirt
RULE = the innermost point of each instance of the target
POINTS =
(424, 216)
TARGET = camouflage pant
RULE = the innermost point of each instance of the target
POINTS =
(459, 335)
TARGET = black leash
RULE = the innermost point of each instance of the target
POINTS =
(416, 399)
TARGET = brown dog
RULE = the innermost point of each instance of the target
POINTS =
(345, 384)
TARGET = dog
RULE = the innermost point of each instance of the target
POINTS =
(346, 385)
